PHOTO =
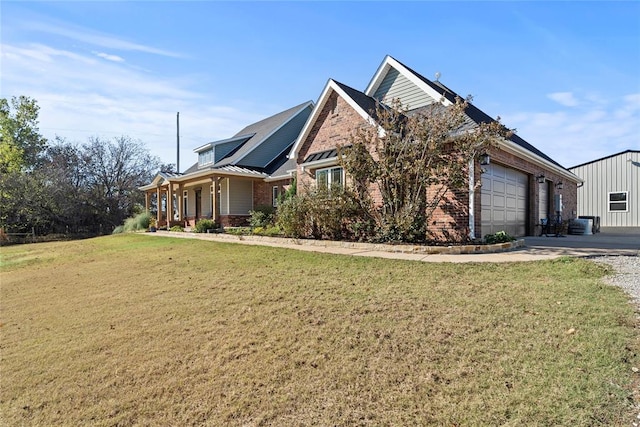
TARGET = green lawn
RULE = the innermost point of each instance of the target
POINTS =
(140, 330)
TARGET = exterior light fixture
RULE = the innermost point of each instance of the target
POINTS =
(484, 159)
(559, 185)
(540, 179)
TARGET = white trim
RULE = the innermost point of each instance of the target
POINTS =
(279, 177)
(472, 201)
(390, 62)
(300, 110)
(203, 147)
(319, 106)
(222, 141)
(317, 164)
(330, 175)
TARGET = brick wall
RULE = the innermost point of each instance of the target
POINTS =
(334, 126)
(234, 220)
(263, 191)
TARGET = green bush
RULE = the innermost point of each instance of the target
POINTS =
(205, 224)
(137, 223)
(292, 216)
(238, 231)
(323, 214)
(118, 230)
(271, 230)
(177, 228)
(262, 216)
(499, 237)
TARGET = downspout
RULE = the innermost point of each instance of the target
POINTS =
(472, 191)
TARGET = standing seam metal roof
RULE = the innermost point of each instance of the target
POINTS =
(261, 129)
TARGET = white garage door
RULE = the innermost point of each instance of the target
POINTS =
(504, 201)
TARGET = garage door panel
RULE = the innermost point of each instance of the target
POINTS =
(503, 199)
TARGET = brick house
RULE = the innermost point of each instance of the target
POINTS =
(232, 176)
(520, 186)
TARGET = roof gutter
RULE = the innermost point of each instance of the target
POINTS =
(513, 148)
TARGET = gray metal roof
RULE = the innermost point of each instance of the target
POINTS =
(261, 130)
(283, 169)
(321, 155)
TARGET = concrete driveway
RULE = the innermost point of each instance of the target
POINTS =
(611, 241)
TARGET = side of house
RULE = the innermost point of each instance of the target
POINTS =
(611, 189)
(519, 187)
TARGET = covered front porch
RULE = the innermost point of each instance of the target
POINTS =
(222, 196)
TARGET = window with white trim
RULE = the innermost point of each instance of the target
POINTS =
(618, 201)
(329, 177)
(205, 157)
(275, 193)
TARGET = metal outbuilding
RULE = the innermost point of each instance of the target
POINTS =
(611, 189)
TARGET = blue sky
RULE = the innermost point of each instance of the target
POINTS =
(566, 75)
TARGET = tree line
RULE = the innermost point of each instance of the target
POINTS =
(66, 187)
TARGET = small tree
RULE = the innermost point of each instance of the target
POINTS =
(20, 141)
(412, 159)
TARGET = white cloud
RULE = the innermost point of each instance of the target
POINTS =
(564, 98)
(114, 58)
(80, 96)
(97, 39)
(578, 135)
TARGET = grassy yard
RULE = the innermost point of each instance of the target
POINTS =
(136, 330)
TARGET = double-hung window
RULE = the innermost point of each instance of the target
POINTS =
(275, 193)
(618, 201)
(329, 177)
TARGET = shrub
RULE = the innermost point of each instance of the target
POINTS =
(292, 216)
(499, 237)
(137, 223)
(271, 230)
(177, 228)
(118, 230)
(205, 224)
(323, 214)
(262, 216)
(238, 231)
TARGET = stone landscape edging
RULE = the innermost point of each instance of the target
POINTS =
(374, 247)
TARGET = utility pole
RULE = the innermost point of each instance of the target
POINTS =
(178, 142)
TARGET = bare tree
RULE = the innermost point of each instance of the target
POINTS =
(114, 171)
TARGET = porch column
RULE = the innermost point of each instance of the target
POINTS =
(159, 203)
(180, 202)
(169, 203)
(146, 201)
(216, 197)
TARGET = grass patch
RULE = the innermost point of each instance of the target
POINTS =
(132, 329)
